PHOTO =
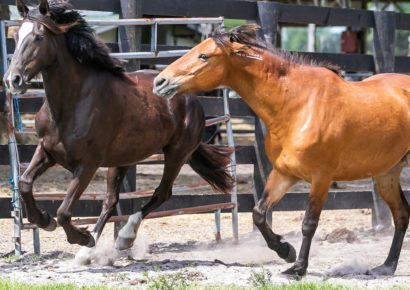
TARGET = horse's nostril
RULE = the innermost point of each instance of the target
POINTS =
(17, 80)
(160, 82)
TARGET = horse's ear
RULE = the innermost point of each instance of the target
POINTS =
(22, 8)
(43, 7)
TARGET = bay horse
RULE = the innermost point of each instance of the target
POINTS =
(96, 115)
(320, 127)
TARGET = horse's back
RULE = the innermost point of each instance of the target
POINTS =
(387, 81)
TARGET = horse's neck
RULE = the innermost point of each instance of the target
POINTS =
(260, 84)
(63, 84)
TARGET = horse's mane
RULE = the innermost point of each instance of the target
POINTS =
(247, 35)
(81, 41)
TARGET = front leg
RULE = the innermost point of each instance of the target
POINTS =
(81, 178)
(40, 162)
(276, 187)
(317, 198)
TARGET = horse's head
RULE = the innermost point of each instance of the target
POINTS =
(33, 50)
(36, 42)
(207, 65)
(202, 69)
(51, 35)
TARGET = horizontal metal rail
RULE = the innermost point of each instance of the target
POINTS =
(217, 120)
(143, 21)
(150, 54)
(153, 22)
(26, 131)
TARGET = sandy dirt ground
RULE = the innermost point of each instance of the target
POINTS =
(343, 250)
(345, 246)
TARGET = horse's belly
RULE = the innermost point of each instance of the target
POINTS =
(357, 158)
(372, 158)
(128, 157)
(128, 149)
(366, 169)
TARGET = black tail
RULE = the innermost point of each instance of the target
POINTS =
(211, 163)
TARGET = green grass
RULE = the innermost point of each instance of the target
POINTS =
(6, 284)
(291, 286)
(11, 259)
(179, 281)
(260, 279)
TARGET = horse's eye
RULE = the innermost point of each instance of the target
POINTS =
(38, 37)
(203, 57)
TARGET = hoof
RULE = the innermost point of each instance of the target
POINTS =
(83, 238)
(123, 243)
(51, 226)
(382, 270)
(290, 256)
(296, 271)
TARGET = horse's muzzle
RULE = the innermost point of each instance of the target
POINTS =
(15, 83)
(164, 87)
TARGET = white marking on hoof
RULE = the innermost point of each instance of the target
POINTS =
(129, 231)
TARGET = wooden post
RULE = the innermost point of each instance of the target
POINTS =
(384, 41)
(130, 36)
(383, 53)
(268, 17)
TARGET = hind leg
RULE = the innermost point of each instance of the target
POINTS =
(276, 187)
(391, 192)
(174, 160)
(38, 165)
(115, 176)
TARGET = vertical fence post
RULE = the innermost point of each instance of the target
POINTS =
(268, 18)
(13, 154)
(231, 143)
(130, 36)
(383, 53)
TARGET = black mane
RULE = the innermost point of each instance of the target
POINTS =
(247, 35)
(81, 41)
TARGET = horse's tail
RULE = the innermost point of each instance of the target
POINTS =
(211, 163)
